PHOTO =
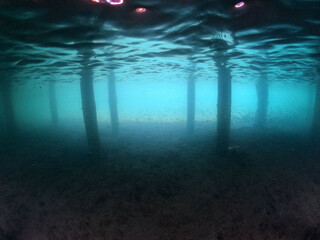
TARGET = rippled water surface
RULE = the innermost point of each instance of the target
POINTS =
(48, 41)
(44, 40)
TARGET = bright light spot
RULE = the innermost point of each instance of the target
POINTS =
(239, 5)
(115, 2)
(98, 1)
(141, 10)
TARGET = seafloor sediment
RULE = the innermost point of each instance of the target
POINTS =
(163, 188)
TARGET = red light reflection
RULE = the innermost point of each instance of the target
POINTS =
(141, 10)
(239, 5)
(112, 2)
(115, 2)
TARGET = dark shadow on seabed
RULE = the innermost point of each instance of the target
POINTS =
(170, 187)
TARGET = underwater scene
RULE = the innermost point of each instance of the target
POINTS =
(159, 120)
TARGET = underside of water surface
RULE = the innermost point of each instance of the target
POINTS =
(159, 120)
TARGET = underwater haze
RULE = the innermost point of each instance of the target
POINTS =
(159, 120)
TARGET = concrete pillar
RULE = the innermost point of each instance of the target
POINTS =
(8, 108)
(223, 108)
(191, 104)
(316, 117)
(262, 103)
(113, 107)
(89, 108)
(53, 104)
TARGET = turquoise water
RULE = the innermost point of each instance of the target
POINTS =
(191, 120)
(165, 101)
(153, 54)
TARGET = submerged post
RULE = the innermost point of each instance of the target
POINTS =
(53, 104)
(113, 104)
(262, 103)
(223, 107)
(8, 108)
(191, 104)
(316, 117)
(89, 108)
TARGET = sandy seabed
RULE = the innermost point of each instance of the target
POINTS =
(161, 188)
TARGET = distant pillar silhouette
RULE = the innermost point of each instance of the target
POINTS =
(316, 117)
(113, 107)
(8, 108)
(262, 103)
(223, 108)
(89, 108)
(191, 104)
(53, 104)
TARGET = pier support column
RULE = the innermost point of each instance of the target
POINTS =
(316, 117)
(191, 104)
(89, 109)
(262, 103)
(53, 104)
(113, 107)
(8, 108)
(223, 108)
